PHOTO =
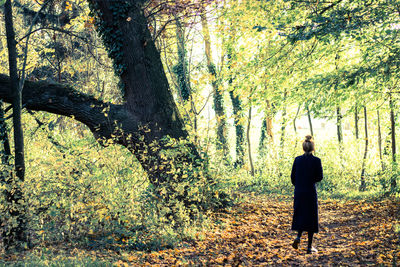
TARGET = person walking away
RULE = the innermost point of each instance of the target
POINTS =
(306, 171)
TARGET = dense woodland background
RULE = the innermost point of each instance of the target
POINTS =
(140, 119)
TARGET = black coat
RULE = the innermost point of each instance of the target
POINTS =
(306, 171)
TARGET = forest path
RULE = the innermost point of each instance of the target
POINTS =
(257, 233)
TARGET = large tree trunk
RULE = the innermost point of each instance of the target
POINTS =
(15, 234)
(149, 114)
(218, 96)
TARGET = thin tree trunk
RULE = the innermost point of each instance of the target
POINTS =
(283, 125)
(295, 127)
(218, 96)
(363, 185)
(268, 119)
(249, 144)
(356, 121)
(15, 235)
(295, 118)
(181, 69)
(338, 112)
(393, 182)
(266, 128)
(339, 125)
(6, 156)
(380, 141)
(263, 136)
(237, 113)
(309, 121)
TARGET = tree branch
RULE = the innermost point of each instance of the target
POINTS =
(105, 120)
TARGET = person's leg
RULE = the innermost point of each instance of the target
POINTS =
(296, 242)
(299, 234)
(310, 248)
(310, 237)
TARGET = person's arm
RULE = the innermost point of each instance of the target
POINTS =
(292, 175)
(319, 174)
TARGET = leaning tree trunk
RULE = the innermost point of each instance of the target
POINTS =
(148, 119)
(218, 96)
(363, 185)
(15, 234)
(149, 116)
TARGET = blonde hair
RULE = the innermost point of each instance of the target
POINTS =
(308, 144)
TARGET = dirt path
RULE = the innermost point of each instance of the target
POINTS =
(256, 233)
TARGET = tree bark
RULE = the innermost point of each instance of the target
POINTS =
(393, 182)
(295, 118)
(339, 125)
(263, 136)
(149, 113)
(356, 121)
(181, 68)
(218, 96)
(266, 129)
(237, 114)
(268, 119)
(310, 122)
(363, 185)
(15, 234)
(380, 141)
(6, 156)
(283, 125)
(249, 143)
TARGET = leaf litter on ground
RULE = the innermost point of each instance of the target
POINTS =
(256, 232)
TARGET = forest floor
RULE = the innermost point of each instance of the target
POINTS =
(256, 232)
